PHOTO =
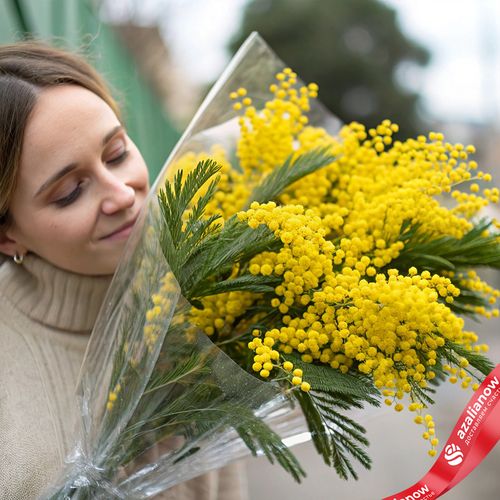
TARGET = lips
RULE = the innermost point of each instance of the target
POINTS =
(124, 230)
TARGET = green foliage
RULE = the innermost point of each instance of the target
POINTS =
(448, 253)
(352, 385)
(292, 170)
(186, 400)
(468, 299)
(259, 437)
(236, 242)
(179, 243)
(247, 283)
(453, 353)
(336, 437)
(189, 366)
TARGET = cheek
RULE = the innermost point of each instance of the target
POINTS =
(63, 231)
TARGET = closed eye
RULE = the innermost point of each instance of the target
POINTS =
(119, 159)
(73, 196)
(70, 198)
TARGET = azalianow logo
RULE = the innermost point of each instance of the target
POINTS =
(453, 454)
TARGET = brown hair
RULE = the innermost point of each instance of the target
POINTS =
(25, 69)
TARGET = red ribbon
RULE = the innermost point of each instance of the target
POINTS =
(475, 434)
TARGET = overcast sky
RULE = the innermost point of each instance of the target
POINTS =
(462, 82)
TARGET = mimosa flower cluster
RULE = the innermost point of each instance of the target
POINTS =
(348, 295)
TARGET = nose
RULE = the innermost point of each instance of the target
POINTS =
(118, 195)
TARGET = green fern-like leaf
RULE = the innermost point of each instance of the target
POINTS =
(179, 240)
(193, 365)
(337, 438)
(246, 282)
(448, 253)
(467, 301)
(259, 437)
(323, 378)
(236, 242)
(292, 170)
(453, 353)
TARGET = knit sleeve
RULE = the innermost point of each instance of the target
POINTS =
(27, 459)
(38, 372)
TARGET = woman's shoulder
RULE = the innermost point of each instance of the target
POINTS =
(30, 347)
(38, 372)
(30, 442)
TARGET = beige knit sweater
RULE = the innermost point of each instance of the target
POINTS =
(46, 315)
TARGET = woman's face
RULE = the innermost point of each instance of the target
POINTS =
(81, 184)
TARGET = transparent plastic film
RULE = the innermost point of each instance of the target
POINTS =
(160, 403)
(254, 68)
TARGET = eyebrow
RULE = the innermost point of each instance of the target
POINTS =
(69, 168)
(111, 134)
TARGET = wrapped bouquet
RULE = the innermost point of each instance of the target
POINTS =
(285, 269)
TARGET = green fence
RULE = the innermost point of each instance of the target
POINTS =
(75, 24)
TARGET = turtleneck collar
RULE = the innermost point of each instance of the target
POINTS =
(52, 296)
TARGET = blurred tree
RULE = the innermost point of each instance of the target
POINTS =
(353, 49)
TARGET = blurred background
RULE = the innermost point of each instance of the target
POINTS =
(427, 65)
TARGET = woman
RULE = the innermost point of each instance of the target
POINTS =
(71, 186)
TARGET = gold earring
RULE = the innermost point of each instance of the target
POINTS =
(18, 259)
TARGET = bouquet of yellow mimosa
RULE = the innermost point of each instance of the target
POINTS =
(286, 269)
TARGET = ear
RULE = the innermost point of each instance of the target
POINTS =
(9, 246)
